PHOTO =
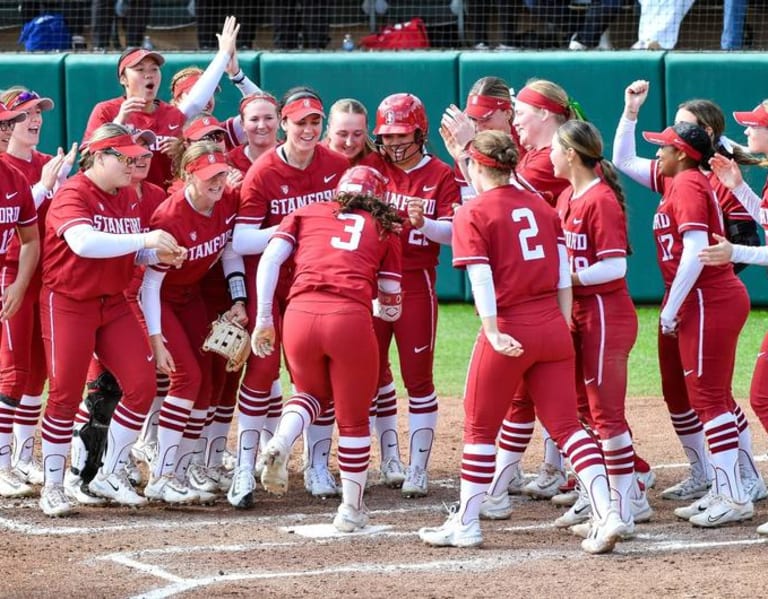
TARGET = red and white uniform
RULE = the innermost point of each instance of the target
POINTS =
(83, 307)
(184, 315)
(239, 159)
(535, 169)
(273, 189)
(515, 233)
(22, 360)
(328, 327)
(165, 121)
(433, 182)
(717, 306)
(604, 318)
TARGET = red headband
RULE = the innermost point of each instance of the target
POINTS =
(481, 158)
(255, 97)
(481, 107)
(534, 98)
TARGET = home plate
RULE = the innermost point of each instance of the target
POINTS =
(328, 531)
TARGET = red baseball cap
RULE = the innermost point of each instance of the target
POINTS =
(122, 144)
(15, 116)
(755, 118)
(481, 107)
(302, 107)
(133, 56)
(670, 137)
(202, 126)
(208, 166)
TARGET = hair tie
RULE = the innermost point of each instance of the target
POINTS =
(577, 111)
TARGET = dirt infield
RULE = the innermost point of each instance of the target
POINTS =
(287, 548)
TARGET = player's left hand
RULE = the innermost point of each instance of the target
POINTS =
(234, 178)
(228, 36)
(11, 300)
(669, 326)
(167, 146)
(237, 314)
(717, 254)
(505, 344)
(263, 341)
(416, 212)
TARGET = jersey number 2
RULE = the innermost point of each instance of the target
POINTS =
(530, 252)
(355, 231)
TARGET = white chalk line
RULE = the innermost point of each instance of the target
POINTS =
(497, 560)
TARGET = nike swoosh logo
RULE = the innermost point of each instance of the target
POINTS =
(173, 127)
(760, 354)
(8, 196)
(248, 448)
(133, 206)
(55, 469)
(230, 219)
(687, 372)
(168, 466)
(150, 357)
(429, 188)
(329, 178)
(589, 381)
(423, 450)
(219, 451)
(582, 508)
(577, 221)
(113, 486)
(712, 520)
(418, 350)
(391, 445)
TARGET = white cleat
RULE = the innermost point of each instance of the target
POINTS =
(754, 486)
(699, 506)
(416, 483)
(546, 484)
(723, 510)
(687, 489)
(73, 488)
(392, 473)
(54, 502)
(763, 529)
(169, 489)
(581, 511)
(517, 482)
(498, 507)
(117, 487)
(12, 485)
(221, 476)
(453, 533)
(349, 519)
(647, 478)
(274, 477)
(199, 479)
(640, 508)
(604, 534)
(31, 471)
(319, 482)
(240, 494)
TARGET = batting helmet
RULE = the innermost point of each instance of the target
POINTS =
(363, 180)
(401, 113)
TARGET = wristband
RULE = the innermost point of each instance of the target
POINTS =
(238, 78)
(236, 283)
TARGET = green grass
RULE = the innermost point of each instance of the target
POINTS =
(458, 326)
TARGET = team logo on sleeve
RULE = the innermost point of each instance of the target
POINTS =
(193, 235)
(284, 189)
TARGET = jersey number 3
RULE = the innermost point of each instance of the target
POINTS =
(526, 235)
(355, 231)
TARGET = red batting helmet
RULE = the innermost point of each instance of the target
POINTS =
(401, 113)
(363, 180)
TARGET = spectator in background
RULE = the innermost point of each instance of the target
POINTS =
(558, 19)
(593, 31)
(103, 23)
(301, 25)
(75, 13)
(210, 13)
(734, 15)
(480, 13)
(660, 22)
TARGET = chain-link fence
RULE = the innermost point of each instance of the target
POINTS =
(347, 24)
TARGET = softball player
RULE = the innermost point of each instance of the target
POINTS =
(300, 171)
(343, 254)
(22, 361)
(347, 131)
(524, 336)
(92, 240)
(424, 190)
(259, 116)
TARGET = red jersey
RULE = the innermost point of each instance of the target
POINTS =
(17, 208)
(764, 207)
(272, 188)
(80, 202)
(688, 204)
(239, 159)
(431, 181)
(204, 236)
(535, 168)
(151, 197)
(595, 228)
(31, 171)
(166, 122)
(517, 234)
(339, 253)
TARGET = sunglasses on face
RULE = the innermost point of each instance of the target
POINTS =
(7, 125)
(22, 98)
(215, 136)
(122, 158)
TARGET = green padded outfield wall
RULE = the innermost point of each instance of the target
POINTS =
(92, 78)
(369, 77)
(597, 80)
(43, 73)
(735, 82)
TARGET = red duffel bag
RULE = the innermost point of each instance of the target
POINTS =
(401, 36)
